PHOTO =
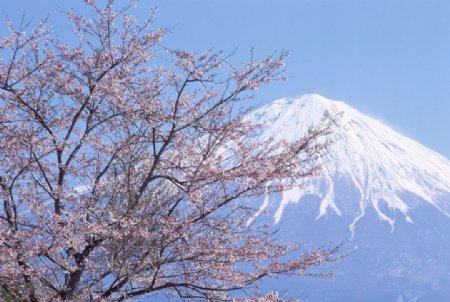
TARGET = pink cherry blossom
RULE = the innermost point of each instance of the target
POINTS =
(125, 167)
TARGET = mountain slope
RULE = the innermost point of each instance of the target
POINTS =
(381, 164)
(386, 193)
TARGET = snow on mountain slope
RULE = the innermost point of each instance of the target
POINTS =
(380, 163)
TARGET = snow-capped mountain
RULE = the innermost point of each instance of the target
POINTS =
(389, 194)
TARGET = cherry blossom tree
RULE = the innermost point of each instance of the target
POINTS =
(125, 167)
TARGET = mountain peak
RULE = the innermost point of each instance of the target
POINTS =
(380, 164)
(310, 100)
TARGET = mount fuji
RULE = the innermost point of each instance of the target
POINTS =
(387, 195)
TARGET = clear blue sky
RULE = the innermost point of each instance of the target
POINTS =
(387, 58)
